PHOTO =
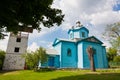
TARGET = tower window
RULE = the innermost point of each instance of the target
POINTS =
(69, 52)
(71, 35)
(18, 40)
(83, 34)
(16, 49)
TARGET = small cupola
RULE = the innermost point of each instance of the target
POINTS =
(78, 24)
(79, 31)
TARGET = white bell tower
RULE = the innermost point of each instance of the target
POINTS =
(17, 45)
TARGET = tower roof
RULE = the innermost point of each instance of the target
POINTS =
(77, 29)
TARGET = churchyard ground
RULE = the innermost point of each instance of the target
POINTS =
(104, 74)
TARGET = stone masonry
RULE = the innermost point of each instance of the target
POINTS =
(17, 46)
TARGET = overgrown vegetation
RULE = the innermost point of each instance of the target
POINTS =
(34, 58)
(2, 56)
(112, 33)
(111, 53)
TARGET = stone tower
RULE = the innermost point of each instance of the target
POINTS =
(17, 45)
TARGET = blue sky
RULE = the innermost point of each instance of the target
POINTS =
(117, 6)
(94, 14)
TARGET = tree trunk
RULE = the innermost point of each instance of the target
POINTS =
(92, 66)
(91, 58)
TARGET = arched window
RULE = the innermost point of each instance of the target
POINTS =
(69, 52)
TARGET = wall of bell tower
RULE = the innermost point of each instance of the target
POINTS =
(17, 45)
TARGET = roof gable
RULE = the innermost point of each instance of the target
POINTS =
(63, 40)
(92, 39)
(56, 41)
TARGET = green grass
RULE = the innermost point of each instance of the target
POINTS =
(62, 75)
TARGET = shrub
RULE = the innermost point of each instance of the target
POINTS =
(2, 56)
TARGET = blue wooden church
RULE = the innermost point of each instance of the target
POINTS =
(71, 53)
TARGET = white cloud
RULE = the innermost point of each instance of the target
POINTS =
(43, 31)
(94, 12)
(33, 47)
(46, 44)
(98, 13)
(4, 42)
(49, 46)
(106, 17)
(37, 34)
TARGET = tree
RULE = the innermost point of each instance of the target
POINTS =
(115, 43)
(17, 15)
(90, 52)
(111, 53)
(113, 30)
(116, 58)
(33, 58)
(2, 56)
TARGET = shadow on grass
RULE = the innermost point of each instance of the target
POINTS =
(6, 71)
(104, 76)
(9, 72)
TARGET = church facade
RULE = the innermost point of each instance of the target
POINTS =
(72, 52)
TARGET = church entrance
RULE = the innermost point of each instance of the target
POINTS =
(51, 61)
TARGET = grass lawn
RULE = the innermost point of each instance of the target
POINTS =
(62, 75)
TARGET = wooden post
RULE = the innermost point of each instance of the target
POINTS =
(91, 58)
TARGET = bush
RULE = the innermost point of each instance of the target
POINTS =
(2, 56)
(34, 58)
(116, 59)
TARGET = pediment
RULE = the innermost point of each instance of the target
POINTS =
(93, 39)
(56, 41)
